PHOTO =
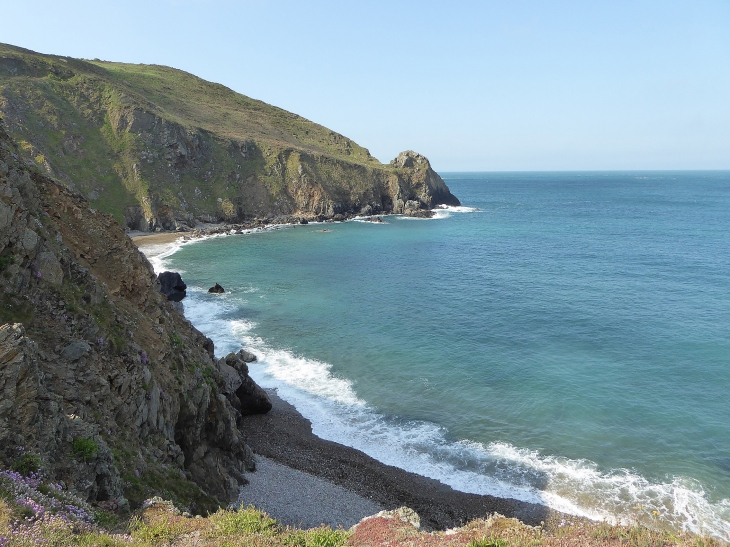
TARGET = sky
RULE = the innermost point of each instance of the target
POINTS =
(473, 85)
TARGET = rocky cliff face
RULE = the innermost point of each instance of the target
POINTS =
(161, 149)
(116, 392)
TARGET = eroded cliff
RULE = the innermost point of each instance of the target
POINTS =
(161, 149)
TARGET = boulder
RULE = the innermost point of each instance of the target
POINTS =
(76, 350)
(234, 378)
(172, 286)
(253, 398)
(216, 289)
(246, 357)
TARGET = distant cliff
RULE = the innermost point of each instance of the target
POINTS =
(159, 148)
(102, 382)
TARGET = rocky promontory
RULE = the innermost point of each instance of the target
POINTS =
(161, 149)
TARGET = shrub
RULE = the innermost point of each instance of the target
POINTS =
(325, 536)
(176, 341)
(6, 261)
(84, 448)
(484, 542)
(27, 464)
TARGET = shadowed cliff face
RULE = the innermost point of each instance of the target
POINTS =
(162, 149)
(116, 392)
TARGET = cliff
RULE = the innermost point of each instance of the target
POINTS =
(162, 149)
(102, 383)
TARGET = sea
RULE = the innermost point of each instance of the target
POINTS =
(560, 338)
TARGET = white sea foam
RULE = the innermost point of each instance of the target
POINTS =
(458, 208)
(444, 211)
(577, 487)
(157, 253)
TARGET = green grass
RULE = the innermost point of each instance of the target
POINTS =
(487, 543)
(245, 520)
(169, 484)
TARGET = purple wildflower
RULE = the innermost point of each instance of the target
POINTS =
(143, 357)
(38, 274)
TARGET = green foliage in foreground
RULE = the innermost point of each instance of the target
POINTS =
(487, 543)
(35, 511)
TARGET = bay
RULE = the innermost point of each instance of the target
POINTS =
(561, 338)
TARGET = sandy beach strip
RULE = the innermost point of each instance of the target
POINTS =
(145, 239)
(285, 437)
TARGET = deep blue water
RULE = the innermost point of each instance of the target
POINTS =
(562, 338)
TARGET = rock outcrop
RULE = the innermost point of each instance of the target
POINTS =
(117, 393)
(135, 142)
(172, 286)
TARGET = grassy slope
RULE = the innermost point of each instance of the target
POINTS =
(193, 102)
(66, 112)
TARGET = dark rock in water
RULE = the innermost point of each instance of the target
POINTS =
(374, 219)
(172, 286)
(217, 289)
(303, 221)
(246, 356)
(419, 213)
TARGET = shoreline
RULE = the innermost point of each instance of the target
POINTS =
(145, 239)
(285, 437)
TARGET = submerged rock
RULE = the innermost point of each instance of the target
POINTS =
(216, 289)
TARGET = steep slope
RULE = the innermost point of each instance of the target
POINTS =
(113, 390)
(160, 148)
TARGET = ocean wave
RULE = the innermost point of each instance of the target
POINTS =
(500, 469)
(444, 211)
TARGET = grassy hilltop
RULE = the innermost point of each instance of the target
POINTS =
(160, 148)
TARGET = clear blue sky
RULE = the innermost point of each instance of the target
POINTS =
(490, 85)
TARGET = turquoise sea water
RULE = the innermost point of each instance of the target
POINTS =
(561, 338)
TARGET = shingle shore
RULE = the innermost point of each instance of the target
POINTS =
(285, 436)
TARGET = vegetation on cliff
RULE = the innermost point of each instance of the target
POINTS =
(160, 148)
